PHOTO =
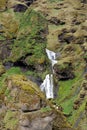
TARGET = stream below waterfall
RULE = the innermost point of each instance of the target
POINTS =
(48, 85)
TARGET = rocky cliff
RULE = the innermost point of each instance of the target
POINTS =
(27, 28)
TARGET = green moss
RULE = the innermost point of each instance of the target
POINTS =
(12, 71)
(29, 40)
(76, 114)
(10, 120)
(68, 106)
(67, 94)
(46, 109)
(85, 55)
(30, 73)
(2, 37)
(68, 88)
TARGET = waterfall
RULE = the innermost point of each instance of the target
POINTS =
(52, 56)
(47, 85)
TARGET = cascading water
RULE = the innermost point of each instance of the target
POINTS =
(47, 85)
(52, 56)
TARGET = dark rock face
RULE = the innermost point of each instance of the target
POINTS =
(72, 36)
(29, 2)
(20, 8)
(84, 1)
(36, 80)
(77, 104)
(63, 73)
(5, 49)
(8, 65)
(56, 21)
(65, 38)
(82, 95)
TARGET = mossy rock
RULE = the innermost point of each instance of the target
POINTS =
(11, 120)
(25, 40)
(22, 93)
(9, 24)
(31, 38)
(2, 5)
(2, 69)
(64, 71)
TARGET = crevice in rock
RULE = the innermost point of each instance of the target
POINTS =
(20, 63)
(56, 21)
(24, 67)
(63, 37)
(27, 111)
(8, 65)
(20, 8)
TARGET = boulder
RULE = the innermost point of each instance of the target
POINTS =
(20, 8)
(22, 94)
(43, 121)
(22, 100)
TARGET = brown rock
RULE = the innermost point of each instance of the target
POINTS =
(82, 94)
(63, 71)
(24, 94)
(75, 107)
(77, 101)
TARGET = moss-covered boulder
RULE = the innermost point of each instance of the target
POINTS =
(22, 101)
(22, 94)
(9, 25)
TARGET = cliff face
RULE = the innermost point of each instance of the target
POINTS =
(26, 29)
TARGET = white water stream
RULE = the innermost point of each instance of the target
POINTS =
(47, 85)
(52, 56)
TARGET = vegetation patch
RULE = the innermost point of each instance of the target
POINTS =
(10, 120)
